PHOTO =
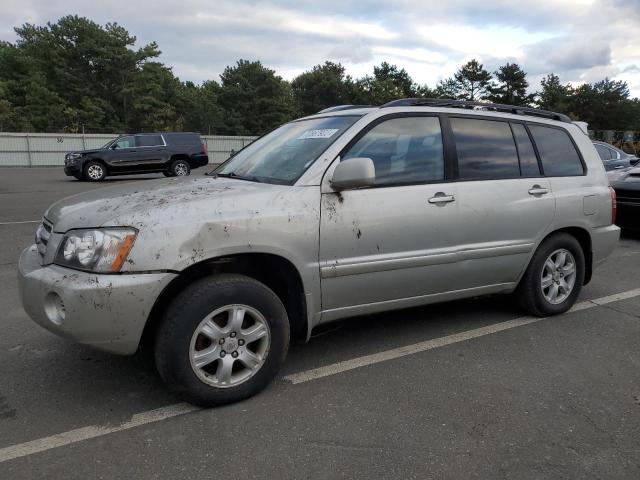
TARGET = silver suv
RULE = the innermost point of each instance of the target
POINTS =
(348, 212)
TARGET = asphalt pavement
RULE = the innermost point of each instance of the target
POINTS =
(461, 390)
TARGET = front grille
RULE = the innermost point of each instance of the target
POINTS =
(43, 233)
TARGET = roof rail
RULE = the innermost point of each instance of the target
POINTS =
(451, 103)
(337, 108)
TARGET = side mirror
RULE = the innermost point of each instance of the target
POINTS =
(354, 173)
(114, 146)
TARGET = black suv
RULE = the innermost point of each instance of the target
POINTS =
(173, 154)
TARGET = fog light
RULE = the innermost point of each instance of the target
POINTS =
(54, 308)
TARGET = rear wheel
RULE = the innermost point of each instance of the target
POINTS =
(94, 171)
(554, 278)
(180, 168)
(222, 339)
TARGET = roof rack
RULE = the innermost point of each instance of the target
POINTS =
(451, 103)
(337, 108)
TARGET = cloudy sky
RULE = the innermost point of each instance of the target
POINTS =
(579, 40)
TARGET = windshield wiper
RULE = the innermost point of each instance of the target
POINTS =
(249, 178)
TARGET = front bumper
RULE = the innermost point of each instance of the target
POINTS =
(107, 312)
(72, 169)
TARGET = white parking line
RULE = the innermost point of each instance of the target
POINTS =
(85, 433)
(144, 418)
(386, 355)
(18, 223)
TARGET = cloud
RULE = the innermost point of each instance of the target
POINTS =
(565, 54)
(355, 51)
(576, 39)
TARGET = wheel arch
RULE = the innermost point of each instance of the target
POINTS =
(584, 239)
(98, 160)
(179, 156)
(275, 271)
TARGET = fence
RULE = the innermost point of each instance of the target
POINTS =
(48, 149)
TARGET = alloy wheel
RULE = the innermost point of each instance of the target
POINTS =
(558, 276)
(180, 169)
(229, 345)
(95, 172)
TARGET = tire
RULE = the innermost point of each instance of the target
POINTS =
(180, 168)
(535, 292)
(167, 174)
(196, 322)
(94, 171)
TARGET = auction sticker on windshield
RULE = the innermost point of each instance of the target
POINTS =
(318, 133)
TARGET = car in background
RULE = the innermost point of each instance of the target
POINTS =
(171, 153)
(626, 183)
(613, 158)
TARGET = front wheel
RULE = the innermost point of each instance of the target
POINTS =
(222, 339)
(554, 278)
(94, 171)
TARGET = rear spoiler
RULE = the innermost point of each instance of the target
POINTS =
(584, 126)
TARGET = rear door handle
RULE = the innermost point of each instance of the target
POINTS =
(441, 197)
(538, 190)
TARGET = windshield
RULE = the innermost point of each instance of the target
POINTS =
(106, 145)
(283, 155)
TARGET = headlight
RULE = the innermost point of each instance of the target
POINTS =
(96, 250)
(73, 156)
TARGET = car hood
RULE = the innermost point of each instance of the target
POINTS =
(139, 203)
(628, 178)
(86, 152)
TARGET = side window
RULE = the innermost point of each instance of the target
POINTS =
(125, 142)
(528, 161)
(149, 140)
(403, 150)
(604, 152)
(485, 148)
(557, 153)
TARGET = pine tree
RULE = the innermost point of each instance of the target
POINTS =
(472, 81)
(511, 87)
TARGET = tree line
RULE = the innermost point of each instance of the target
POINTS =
(75, 74)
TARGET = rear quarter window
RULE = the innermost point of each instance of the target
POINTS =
(182, 139)
(558, 154)
(604, 152)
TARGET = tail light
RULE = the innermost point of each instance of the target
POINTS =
(205, 150)
(614, 206)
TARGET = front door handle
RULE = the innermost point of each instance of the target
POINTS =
(441, 197)
(538, 190)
